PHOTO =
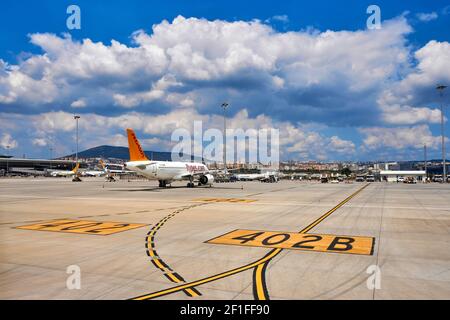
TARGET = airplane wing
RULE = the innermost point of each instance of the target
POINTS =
(222, 170)
(193, 175)
(196, 175)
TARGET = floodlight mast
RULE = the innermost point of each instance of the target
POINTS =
(440, 89)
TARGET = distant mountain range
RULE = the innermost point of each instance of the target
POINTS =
(122, 153)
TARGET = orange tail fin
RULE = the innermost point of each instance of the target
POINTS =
(74, 170)
(136, 153)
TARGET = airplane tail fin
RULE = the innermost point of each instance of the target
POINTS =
(102, 164)
(136, 153)
(74, 170)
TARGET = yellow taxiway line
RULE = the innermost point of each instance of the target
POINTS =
(259, 277)
(156, 259)
(260, 264)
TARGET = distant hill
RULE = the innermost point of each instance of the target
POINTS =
(122, 153)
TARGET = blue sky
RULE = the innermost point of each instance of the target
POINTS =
(118, 19)
(336, 90)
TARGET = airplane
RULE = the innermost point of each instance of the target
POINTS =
(270, 177)
(263, 177)
(165, 171)
(65, 173)
(249, 176)
(96, 173)
(115, 168)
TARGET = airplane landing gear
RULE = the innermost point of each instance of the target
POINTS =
(190, 185)
(162, 183)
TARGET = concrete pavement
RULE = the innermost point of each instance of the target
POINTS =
(410, 224)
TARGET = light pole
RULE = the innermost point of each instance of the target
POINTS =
(441, 89)
(7, 159)
(224, 106)
(51, 156)
(425, 160)
(76, 154)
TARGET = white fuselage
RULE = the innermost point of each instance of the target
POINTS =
(256, 176)
(167, 170)
(94, 173)
(115, 169)
(250, 176)
(62, 173)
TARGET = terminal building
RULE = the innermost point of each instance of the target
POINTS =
(32, 166)
(397, 175)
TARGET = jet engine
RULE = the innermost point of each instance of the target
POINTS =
(206, 179)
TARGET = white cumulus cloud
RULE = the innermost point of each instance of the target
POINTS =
(399, 137)
(187, 62)
(7, 141)
(409, 100)
(156, 131)
(186, 68)
(80, 103)
(425, 17)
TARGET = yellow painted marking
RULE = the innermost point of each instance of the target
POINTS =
(175, 279)
(171, 276)
(157, 259)
(231, 200)
(82, 226)
(297, 241)
(159, 264)
(208, 279)
(273, 253)
(259, 285)
(192, 292)
(259, 280)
